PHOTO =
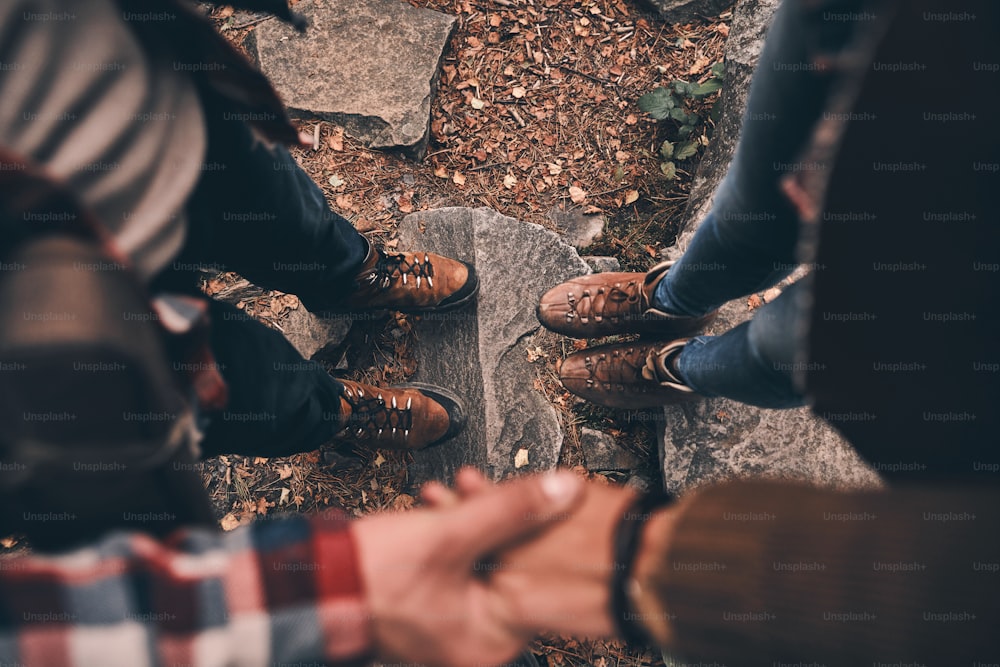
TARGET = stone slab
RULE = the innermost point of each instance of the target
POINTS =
(309, 334)
(370, 66)
(481, 352)
(601, 452)
(305, 331)
(577, 228)
(601, 264)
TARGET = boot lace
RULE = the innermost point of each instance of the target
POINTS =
(372, 415)
(612, 301)
(395, 267)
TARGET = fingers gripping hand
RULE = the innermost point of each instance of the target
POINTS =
(468, 482)
(427, 601)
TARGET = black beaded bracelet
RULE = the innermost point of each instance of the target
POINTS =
(627, 537)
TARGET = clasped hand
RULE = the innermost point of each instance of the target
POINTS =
(472, 577)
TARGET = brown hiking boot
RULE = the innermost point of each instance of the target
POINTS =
(628, 375)
(604, 304)
(404, 416)
(411, 282)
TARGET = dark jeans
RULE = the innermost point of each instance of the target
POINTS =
(747, 242)
(255, 212)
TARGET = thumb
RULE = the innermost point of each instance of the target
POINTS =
(515, 510)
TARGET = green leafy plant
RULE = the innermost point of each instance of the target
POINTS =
(674, 102)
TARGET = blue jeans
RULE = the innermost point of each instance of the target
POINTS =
(747, 242)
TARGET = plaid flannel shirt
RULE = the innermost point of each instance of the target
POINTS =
(282, 591)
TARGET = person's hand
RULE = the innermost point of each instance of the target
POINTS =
(561, 581)
(428, 601)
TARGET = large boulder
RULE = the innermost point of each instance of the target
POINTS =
(714, 440)
(718, 439)
(486, 352)
(370, 66)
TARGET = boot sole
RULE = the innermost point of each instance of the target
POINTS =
(645, 328)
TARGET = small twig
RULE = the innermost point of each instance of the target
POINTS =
(443, 150)
(607, 192)
(489, 166)
(255, 21)
(516, 116)
(588, 76)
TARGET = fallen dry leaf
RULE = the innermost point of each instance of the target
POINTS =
(346, 202)
(631, 197)
(699, 65)
(577, 195)
(521, 458)
(405, 203)
(336, 141)
(458, 178)
(229, 522)
(402, 502)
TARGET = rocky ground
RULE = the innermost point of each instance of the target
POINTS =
(572, 72)
(535, 117)
(530, 115)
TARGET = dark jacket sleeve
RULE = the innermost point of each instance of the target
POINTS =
(772, 574)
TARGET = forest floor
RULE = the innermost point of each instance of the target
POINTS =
(536, 111)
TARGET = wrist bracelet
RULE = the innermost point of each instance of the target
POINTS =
(626, 544)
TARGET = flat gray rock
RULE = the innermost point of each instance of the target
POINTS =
(602, 452)
(370, 66)
(602, 264)
(307, 333)
(718, 439)
(577, 228)
(482, 352)
(683, 11)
